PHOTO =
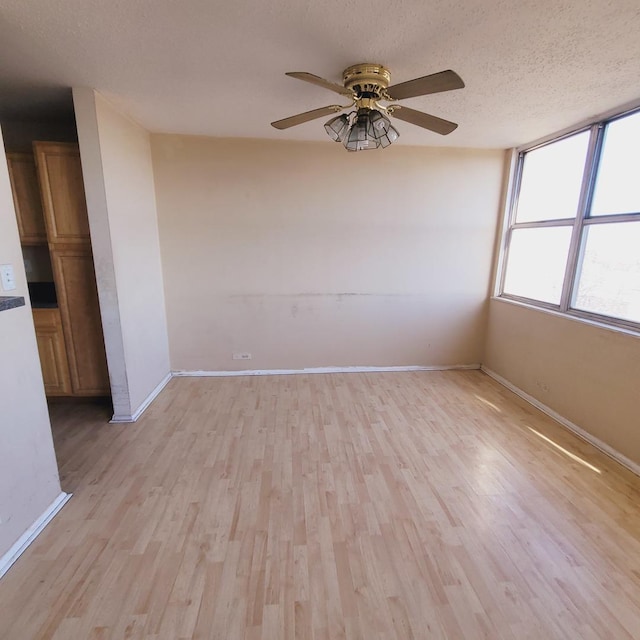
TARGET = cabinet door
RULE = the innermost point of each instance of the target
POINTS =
(26, 198)
(53, 354)
(63, 200)
(78, 300)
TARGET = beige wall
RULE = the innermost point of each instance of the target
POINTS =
(306, 256)
(117, 168)
(28, 471)
(587, 374)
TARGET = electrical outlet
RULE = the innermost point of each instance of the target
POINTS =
(8, 277)
(241, 356)
(28, 267)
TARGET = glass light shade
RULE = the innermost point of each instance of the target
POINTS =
(360, 137)
(379, 122)
(381, 129)
(337, 127)
(389, 137)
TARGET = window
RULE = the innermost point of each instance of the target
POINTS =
(573, 242)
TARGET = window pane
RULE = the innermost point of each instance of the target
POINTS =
(618, 184)
(551, 180)
(537, 262)
(609, 282)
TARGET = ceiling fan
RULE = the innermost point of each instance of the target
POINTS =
(367, 126)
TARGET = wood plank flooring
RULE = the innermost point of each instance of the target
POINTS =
(374, 506)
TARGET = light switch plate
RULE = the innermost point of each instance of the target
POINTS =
(7, 277)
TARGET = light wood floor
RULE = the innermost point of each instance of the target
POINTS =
(382, 505)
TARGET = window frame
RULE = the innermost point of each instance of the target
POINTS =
(579, 224)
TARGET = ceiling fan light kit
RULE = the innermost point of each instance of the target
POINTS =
(368, 126)
(361, 130)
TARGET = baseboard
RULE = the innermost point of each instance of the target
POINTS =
(579, 431)
(289, 372)
(32, 532)
(121, 418)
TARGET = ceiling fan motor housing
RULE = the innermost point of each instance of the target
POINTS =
(367, 80)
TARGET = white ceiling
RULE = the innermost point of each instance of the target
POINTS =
(217, 68)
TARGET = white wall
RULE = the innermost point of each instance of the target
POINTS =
(588, 374)
(118, 174)
(28, 472)
(305, 255)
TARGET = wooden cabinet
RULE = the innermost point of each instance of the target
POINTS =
(53, 353)
(63, 199)
(78, 301)
(26, 198)
(67, 225)
(51, 210)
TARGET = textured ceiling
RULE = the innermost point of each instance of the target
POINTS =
(217, 68)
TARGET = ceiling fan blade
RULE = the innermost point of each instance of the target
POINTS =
(435, 83)
(321, 82)
(424, 120)
(306, 116)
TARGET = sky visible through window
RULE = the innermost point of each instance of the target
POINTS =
(551, 180)
(609, 281)
(608, 269)
(618, 183)
(537, 261)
